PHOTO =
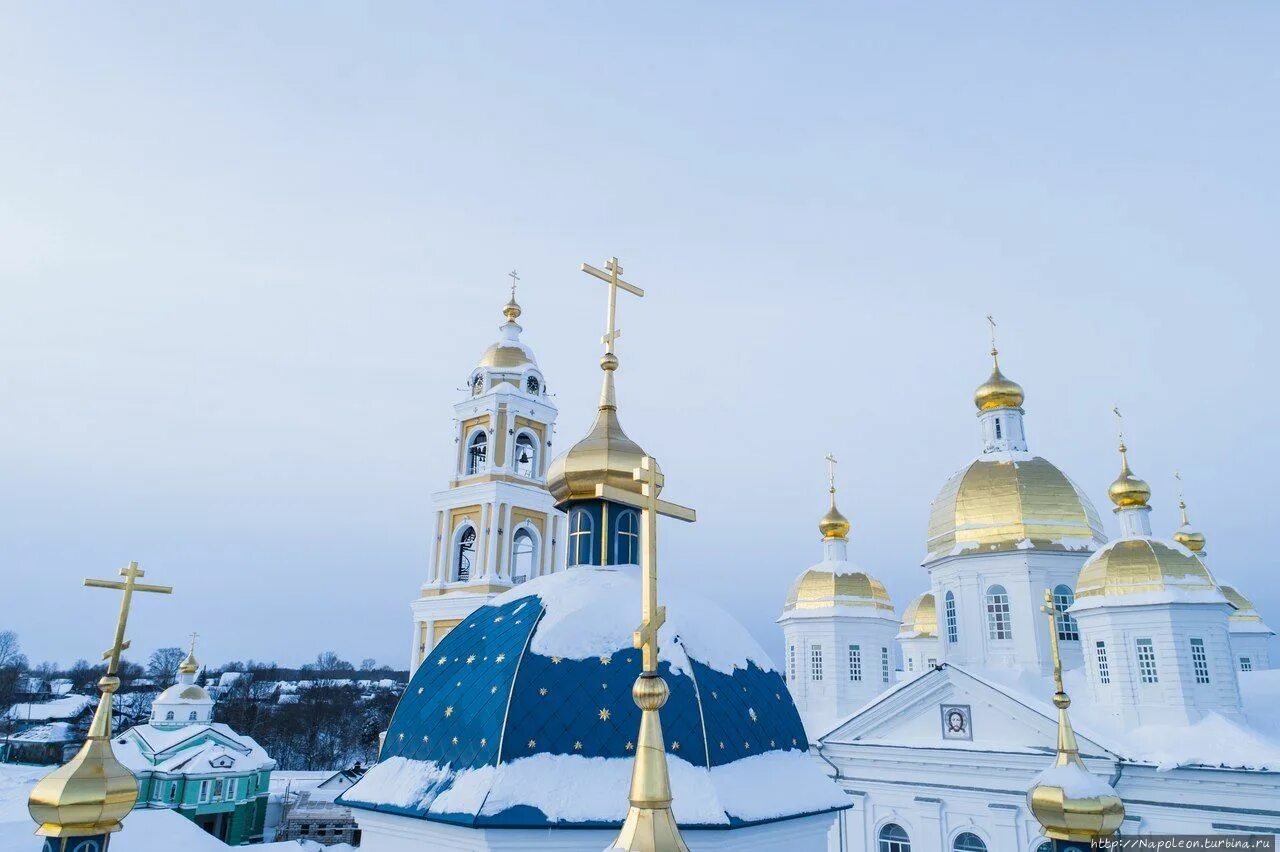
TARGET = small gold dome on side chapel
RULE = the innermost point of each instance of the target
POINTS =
(834, 524)
(1128, 491)
(998, 391)
(511, 310)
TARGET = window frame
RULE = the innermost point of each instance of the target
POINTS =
(885, 668)
(1199, 660)
(1063, 597)
(949, 614)
(855, 663)
(1101, 661)
(583, 532)
(477, 457)
(901, 842)
(465, 541)
(632, 517)
(523, 533)
(1145, 653)
(815, 663)
(531, 443)
(999, 614)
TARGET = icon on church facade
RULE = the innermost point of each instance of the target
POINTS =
(956, 723)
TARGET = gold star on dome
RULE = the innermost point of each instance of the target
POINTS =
(499, 658)
(533, 743)
(778, 695)
(630, 746)
(542, 691)
(675, 746)
(483, 742)
(459, 683)
(426, 738)
(772, 744)
(442, 661)
(793, 741)
(498, 620)
(746, 746)
(455, 740)
(401, 736)
(419, 690)
(604, 714)
(577, 746)
(604, 661)
(471, 659)
(713, 694)
(604, 686)
(555, 660)
(448, 711)
(721, 746)
(493, 689)
(518, 621)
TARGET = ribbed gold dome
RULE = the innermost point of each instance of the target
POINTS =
(511, 310)
(1245, 610)
(501, 357)
(605, 456)
(1190, 539)
(93, 791)
(920, 620)
(189, 665)
(1135, 565)
(819, 588)
(998, 391)
(994, 505)
(1070, 815)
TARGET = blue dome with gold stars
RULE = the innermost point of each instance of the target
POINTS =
(523, 716)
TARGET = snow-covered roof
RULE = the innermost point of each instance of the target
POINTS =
(537, 685)
(193, 749)
(67, 707)
(53, 732)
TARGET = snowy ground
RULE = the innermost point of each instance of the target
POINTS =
(144, 830)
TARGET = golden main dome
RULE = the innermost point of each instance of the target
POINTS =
(819, 588)
(920, 619)
(996, 503)
(1245, 610)
(605, 456)
(998, 391)
(1136, 565)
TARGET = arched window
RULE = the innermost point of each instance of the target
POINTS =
(192, 716)
(466, 553)
(477, 384)
(168, 717)
(477, 451)
(522, 550)
(532, 385)
(526, 456)
(580, 529)
(626, 547)
(87, 846)
(967, 841)
(893, 839)
(1063, 598)
(1046, 846)
(998, 623)
(953, 630)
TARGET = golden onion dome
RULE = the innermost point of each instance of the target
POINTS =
(1128, 491)
(1069, 801)
(190, 664)
(920, 619)
(504, 356)
(1136, 565)
(821, 587)
(511, 310)
(184, 693)
(1244, 608)
(1005, 501)
(833, 524)
(91, 793)
(1190, 539)
(998, 391)
(605, 456)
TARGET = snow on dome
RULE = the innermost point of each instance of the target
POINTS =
(1009, 501)
(523, 716)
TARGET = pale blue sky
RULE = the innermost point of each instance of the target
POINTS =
(250, 252)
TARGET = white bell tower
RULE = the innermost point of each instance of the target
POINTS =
(496, 524)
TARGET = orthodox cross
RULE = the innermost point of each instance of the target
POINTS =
(650, 478)
(194, 636)
(515, 279)
(992, 322)
(612, 269)
(1052, 611)
(129, 586)
(831, 472)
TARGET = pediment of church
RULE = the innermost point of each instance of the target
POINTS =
(948, 707)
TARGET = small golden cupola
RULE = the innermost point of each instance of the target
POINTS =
(1189, 538)
(998, 391)
(833, 524)
(1070, 802)
(509, 361)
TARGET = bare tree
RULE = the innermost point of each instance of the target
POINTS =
(11, 656)
(368, 664)
(163, 663)
(329, 661)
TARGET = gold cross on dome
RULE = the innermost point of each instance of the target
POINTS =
(992, 323)
(831, 472)
(515, 279)
(129, 586)
(609, 275)
(1052, 611)
(194, 637)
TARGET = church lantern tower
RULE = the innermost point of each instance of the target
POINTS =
(838, 627)
(1153, 621)
(601, 531)
(496, 525)
(1001, 530)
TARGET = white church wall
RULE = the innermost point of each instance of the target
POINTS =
(1251, 651)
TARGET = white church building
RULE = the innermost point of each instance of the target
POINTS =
(1175, 707)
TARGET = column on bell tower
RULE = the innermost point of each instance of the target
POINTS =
(496, 525)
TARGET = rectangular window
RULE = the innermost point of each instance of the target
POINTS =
(1246, 664)
(1147, 662)
(793, 663)
(173, 791)
(911, 664)
(1199, 661)
(953, 634)
(933, 662)
(855, 662)
(217, 789)
(998, 620)
(1068, 630)
(1104, 670)
(204, 790)
(233, 785)
(815, 662)
(997, 428)
(884, 664)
